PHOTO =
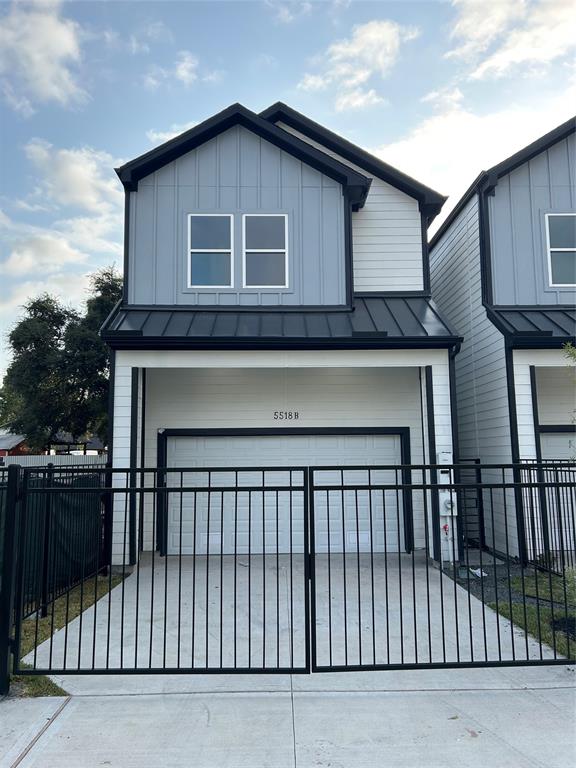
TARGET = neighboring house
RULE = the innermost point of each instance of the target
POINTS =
(64, 443)
(276, 311)
(12, 445)
(503, 271)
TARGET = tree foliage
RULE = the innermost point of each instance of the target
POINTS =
(570, 351)
(58, 378)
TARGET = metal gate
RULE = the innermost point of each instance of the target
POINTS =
(375, 572)
(237, 603)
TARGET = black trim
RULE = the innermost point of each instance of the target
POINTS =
(126, 268)
(133, 463)
(489, 179)
(433, 459)
(515, 448)
(356, 184)
(111, 387)
(425, 257)
(134, 341)
(430, 201)
(485, 250)
(161, 463)
(348, 253)
(539, 473)
(247, 308)
(142, 461)
(557, 428)
(455, 442)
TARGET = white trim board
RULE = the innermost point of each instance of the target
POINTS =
(361, 358)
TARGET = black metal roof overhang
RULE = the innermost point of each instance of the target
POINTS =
(529, 327)
(430, 201)
(487, 180)
(355, 184)
(376, 322)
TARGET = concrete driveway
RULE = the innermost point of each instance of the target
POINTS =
(512, 717)
(250, 613)
(506, 717)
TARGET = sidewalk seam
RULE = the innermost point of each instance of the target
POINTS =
(40, 733)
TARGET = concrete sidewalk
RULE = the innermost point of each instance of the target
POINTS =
(516, 717)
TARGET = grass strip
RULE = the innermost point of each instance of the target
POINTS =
(66, 607)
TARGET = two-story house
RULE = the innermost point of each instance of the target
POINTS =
(276, 312)
(503, 271)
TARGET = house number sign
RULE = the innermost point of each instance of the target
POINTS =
(286, 415)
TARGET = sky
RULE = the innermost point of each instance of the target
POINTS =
(440, 89)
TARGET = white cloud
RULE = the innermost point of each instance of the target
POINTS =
(38, 52)
(45, 253)
(70, 181)
(69, 287)
(448, 150)
(287, 12)
(185, 70)
(443, 98)
(83, 178)
(357, 99)
(371, 50)
(548, 33)
(479, 23)
(159, 137)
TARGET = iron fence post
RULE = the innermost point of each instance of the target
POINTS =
(46, 542)
(8, 572)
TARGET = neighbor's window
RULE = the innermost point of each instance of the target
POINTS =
(561, 240)
(210, 250)
(265, 251)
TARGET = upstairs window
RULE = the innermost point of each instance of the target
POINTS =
(210, 251)
(561, 243)
(265, 250)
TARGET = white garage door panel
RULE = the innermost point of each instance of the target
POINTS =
(274, 521)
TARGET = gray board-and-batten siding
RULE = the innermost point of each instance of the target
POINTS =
(522, 198)
(237, 172)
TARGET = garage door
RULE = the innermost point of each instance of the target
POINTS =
(273, 521)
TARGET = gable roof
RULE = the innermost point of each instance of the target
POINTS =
(355, 183)
(487, 180)
(430, 201)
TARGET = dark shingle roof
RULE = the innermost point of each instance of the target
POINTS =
(378, 321)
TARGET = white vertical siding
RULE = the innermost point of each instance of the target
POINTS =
(555, 386)
(386, 234)
(234, 389)
(121, 456)
(524, 410)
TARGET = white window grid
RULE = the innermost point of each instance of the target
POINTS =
(549, 250)
(210, 250)
(265, 250)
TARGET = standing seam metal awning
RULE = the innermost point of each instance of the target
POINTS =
(382, 319)
(525, 325)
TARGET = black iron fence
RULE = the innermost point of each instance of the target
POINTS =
(290, 569)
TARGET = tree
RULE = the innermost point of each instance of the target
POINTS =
(570, 351)
(58, 378)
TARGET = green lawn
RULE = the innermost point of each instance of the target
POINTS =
(556, 600)
(35, 631)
